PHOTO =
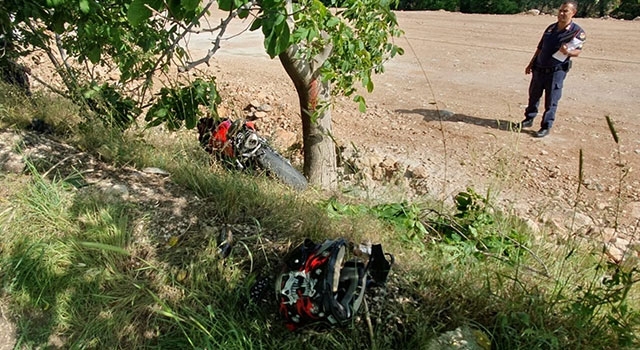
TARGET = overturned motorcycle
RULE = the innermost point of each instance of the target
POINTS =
(239, 144)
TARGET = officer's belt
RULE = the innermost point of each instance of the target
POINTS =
(551, 69)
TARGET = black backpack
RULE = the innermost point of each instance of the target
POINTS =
(318, 285)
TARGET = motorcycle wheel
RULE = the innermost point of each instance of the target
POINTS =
(279, 167)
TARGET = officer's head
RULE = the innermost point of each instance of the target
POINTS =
(566, 12)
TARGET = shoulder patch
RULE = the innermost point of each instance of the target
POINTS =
(582, 36)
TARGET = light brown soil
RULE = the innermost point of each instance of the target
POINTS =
(471, 68)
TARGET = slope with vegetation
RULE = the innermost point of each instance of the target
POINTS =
(98, 252)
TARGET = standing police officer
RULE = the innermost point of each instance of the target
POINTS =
(550, 64)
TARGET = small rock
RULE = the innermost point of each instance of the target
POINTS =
(580, 220)
(462, 338)
(14, 164)
(532, 225)
(621, 243)
(284, 138)
(118, 190)
(446, 114)
(419, 172)
(152, 170)
(634, 209)
(615, 253)
(609, 234)
(558, 226)
(265, 107)
(370, 160)
(259, 115)
(533, 12)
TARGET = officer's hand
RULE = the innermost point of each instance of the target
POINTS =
(527, 70)
(563, 49)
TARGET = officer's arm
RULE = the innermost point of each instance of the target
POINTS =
(527, 70)
(570, 53)
(574, 53)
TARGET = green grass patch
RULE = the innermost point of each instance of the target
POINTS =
(80, 268)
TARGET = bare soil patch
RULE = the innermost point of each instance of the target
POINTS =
(447, 104)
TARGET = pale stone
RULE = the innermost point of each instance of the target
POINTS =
(615, 253)
(118, 190)
(265, 107)
(608, 234)
(370, 160)
(284, 138)
(419, 172)
(152, 170)
(634, 209)
(13, 164)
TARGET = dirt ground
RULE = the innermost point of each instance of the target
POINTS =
(470, 68)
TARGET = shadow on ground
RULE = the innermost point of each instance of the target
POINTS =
(431, 115)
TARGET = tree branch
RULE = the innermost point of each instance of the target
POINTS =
(224, 23)
(172, 47)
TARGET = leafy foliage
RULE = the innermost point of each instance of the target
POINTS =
(359, 36)
(628, 9)
(405, 216)
(181, 106)
(110, 105)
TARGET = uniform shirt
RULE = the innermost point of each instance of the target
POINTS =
(553, 38)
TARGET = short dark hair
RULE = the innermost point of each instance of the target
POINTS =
(572, 3)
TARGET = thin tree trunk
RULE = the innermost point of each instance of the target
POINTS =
(313, 94)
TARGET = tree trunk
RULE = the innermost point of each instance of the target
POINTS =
(318, 146)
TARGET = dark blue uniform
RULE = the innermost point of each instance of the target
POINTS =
(549, 72)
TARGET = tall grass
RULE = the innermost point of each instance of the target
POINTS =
(80, 268)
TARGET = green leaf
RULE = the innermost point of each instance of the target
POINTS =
(226, 5)
(243, 13)
(190, 5)
(191, 121)
(257, 23)
(369, 86)
(283, 38)
(137, 12)
(94, 54)
(333, 21)
(58, 22)
(84, 6)
(362, 106)
(54, 3)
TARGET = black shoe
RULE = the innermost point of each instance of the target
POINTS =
(542, 132)
(527, 123)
